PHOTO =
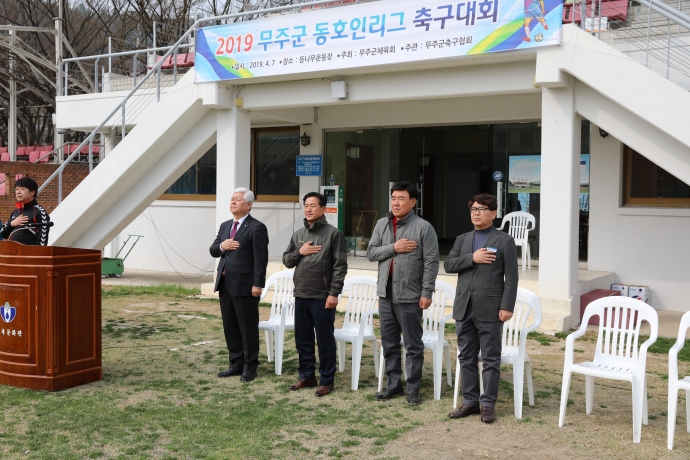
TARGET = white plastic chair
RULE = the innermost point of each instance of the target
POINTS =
(526, 318)
(617, 355)
(434, 324)
(674, 384)
(282, 315)
(358, 325)
(518, 228)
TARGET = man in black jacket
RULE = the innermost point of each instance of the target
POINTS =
(486, 263)
(242, 245)
(319, 253)
(28, 212)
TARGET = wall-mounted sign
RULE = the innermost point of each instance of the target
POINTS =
(524, 174)
(498, 176)
(372, 34)
(309, 165)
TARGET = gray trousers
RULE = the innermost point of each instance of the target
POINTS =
(405, 318)
(474, 336)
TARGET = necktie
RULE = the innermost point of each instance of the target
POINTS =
(233, 232)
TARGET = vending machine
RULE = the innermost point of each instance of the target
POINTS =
(335, 205)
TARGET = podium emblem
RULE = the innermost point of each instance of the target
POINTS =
(8, 313)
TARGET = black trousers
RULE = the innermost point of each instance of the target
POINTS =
(241, 327)
(473, 336)
(311, 316)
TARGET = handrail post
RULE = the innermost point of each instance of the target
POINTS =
(649, 19)
(91, 153)
(124, 104)
(59, 185)
(136, 62)
(66, 72)
(668, 49)
(95, 75)
(175, 67)
(158, 84)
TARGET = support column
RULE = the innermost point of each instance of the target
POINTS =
(233, 158)
(560, 191)
(110, 139)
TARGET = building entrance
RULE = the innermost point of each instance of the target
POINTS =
(448, 164)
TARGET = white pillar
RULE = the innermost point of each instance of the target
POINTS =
(605, 183)
(233, 158)
(311, 183)
(560, 190)
(109, 139)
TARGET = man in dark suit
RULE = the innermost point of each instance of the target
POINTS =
(486, 263)
(242, 245)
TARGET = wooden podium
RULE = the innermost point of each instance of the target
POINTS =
(50, 316)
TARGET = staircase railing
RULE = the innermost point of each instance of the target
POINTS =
(121, 108)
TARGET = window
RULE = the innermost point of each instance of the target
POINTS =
(274, 153)
(647, 184)
(198, 182)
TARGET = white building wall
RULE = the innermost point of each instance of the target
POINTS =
(641, 245)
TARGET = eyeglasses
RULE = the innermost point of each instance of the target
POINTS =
(478, 210)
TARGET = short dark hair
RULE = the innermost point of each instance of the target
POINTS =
(29, 183)
(322, 199)
(485, 200)
(405, 186)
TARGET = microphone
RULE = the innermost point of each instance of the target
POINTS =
(39, 224)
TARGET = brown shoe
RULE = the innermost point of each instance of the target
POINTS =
(323, 390)
(303, 383)
(488, 415)
(464, 411)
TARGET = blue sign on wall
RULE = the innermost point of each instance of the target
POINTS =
(309, 165)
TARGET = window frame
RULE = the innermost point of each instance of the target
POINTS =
(629, 201)
(254, 161)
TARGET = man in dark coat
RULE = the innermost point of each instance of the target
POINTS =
(242, 245)
(27, 212)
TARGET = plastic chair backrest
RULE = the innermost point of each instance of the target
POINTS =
(519, 221)
(282, 292)
(526, 318)
(20, 151)
(33, 156)
(3, 150)
(435, 315)
(620, 319)
(361, 299)
(29, 149)
(675, 349)
(5, 156)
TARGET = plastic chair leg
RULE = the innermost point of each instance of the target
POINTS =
(438, 371)
(589, 393)
(638, 396)
(524, 257)
(529, 257)
(645, 410)
(269, 345)
(382, 366)
(518, 387)
(687, 409)
(456, 390)
(356, 363)
(280, 340)
(530, 386)
(449, 367)
(481, 378)
(375, 350)
(341, 355)
(565, 388)
(671, 414)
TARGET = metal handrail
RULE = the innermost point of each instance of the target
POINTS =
(156, 69)
(124, 53)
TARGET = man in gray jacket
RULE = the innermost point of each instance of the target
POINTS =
(486, 263)
(406, 248)
(319, 253)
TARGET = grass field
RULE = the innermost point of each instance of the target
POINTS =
(160, 398)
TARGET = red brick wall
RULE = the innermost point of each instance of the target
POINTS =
(72, 175)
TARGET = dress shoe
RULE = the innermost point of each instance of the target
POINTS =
(229, 372)
(413, 399)
(304, 383)
(248, 377)
(464, 411)
(389, 393)
(323, 390)
(488, 415)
